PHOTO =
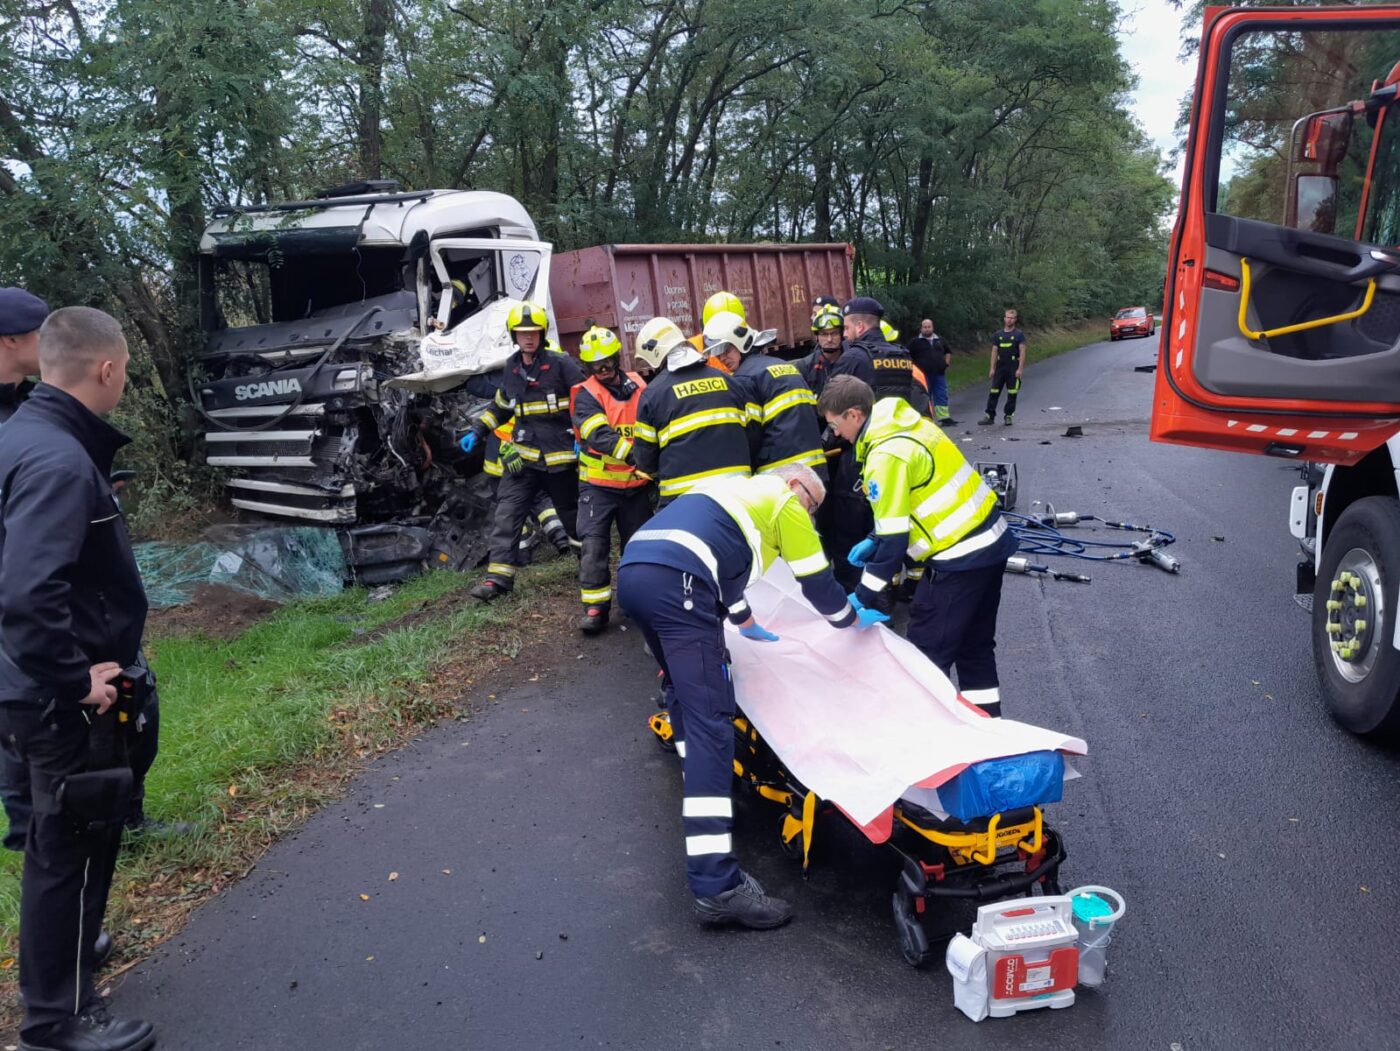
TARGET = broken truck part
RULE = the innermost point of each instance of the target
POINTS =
(341, 336)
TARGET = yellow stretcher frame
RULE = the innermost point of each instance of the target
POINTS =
(964, 846)
(1302, 326)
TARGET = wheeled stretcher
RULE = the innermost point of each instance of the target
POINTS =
(984, 858)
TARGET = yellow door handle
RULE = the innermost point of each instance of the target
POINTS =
(1302, 326)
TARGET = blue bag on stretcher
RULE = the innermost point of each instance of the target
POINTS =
(995, 786)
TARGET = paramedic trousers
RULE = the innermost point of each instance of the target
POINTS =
(516, 494)
(953, 621)
(1004, 377)
(67, 874)
(598, 508)
(683, 623)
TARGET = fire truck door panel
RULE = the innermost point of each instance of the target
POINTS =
(1296, 277)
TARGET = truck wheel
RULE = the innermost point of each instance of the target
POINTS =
(1355, 606)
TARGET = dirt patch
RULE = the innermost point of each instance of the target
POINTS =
(213, 611)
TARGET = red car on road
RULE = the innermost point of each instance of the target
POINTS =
(1132, 321)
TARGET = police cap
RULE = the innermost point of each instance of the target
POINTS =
(20, 312)
(863, 305)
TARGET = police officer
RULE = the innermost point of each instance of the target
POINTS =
(1009, 354)
(72, 611)
(604, 408)
(932, 507)
(693, 422)
(894, 368)
(534, 392)
(680, 577)
(785, 405)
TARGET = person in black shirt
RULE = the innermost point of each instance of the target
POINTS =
(1009, 354)
(932, 358)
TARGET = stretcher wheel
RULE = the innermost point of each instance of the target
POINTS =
(913, 940)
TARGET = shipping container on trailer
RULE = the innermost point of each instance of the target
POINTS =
(624, 286)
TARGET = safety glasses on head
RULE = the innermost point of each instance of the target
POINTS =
(728, 329)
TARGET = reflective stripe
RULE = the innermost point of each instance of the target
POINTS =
(812, 458)
(915, 572)
(698, 845)
(789, 400)
(973, 543)
(591, 424)
(871, 581)
(680, 749)
(988, 696)
(698, 421)
(493, 468)
(919, 549)
(841, 614)
(503, 569)
(805, 567)
(740, 608)
(892, 526)
(685, 539)
(562, 457)
(596, 594)
(945, 495)
(545, 515)
(645, 431)
(527, 452)
(707, 806)
(970, 510)
(537, 408)
(622, 448)
(676, 486)
(489, 419)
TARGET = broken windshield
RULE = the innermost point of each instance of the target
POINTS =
(279, 287)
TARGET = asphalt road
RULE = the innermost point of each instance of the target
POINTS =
(540, 899)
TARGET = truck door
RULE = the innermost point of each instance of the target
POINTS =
(1281, 318)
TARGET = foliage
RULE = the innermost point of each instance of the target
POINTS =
(976, 154)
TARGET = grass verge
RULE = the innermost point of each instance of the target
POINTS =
(970, 369)
(259, 731)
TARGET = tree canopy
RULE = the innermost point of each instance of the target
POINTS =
(976, 154)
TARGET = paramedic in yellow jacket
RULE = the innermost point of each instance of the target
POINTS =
(933, 507)
(681, 576)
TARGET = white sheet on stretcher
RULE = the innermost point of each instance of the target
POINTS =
(862, 718)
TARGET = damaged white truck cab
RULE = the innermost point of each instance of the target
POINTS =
(342, 335)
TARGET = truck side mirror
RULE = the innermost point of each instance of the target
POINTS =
(1312, 203)
(1324, 139)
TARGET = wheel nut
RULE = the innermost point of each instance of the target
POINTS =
(1333, 628)
(1360, 627)
(1333, 605)
(1360, 601)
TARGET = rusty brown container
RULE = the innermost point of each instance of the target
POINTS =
(624, 286)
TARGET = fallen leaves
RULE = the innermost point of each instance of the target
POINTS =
(393, 876)
(364, 897)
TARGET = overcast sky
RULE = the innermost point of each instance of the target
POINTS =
(1151, 39)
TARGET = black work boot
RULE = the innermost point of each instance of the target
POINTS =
(593, 621)
(747, 905)
(986, 419)
(91, 1030)
(488, 590)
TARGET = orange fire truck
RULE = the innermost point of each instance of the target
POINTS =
(1281, 319)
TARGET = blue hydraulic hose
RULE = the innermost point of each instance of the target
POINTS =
(1037, 537)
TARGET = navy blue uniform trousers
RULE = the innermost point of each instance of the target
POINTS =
(683, 622)
(953, 620)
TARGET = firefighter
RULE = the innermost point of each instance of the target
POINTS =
(502, 457)
(693, 423)
(844, 518)
(717, 303)
(604, 408)
(894, 368)
(1009, 354)
(785, 406)
(680, 577)
(932, 507)
(534, 391)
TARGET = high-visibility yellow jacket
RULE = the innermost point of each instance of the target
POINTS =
(928, 501)
(729, 531)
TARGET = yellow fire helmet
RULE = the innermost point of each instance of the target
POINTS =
(657, 338)
(526, 317)
(891, 333)
(722, 302)
(827, 318)
(727, 327)
(598, 344)
(551, 345)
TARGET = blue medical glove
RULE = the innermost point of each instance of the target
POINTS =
(861, 552)
(577, 450)
(753, 631)
(851, 598)
(468, 441)
(866, 617)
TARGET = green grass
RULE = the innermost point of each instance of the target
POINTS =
(970, 369)
(258, 731)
